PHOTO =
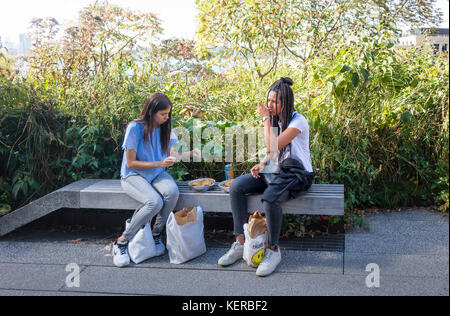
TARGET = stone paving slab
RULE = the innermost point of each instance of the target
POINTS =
(32, 277)
(434, 266)
(293, 261)
(55, 253)
(98, 280)
(49, 293)
(412, 243)
(243, 283)
(406, 233)
(100, 255)
(394, 244)
(407, 215)
(411, 249)
(428, 230)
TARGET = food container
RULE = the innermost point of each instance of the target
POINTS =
(202, 185)
(225, 186)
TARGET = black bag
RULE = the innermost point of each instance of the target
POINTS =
(292, 177)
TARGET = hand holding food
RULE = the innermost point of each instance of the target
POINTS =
(168, 162)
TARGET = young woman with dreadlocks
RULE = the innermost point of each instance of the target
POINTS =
(292, 140)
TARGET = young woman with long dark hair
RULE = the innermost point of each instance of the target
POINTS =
(147, 144)
(293, 143)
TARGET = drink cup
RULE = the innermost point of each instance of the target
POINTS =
(229, 172)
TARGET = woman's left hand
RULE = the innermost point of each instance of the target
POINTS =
(263, 111)
(256, 170)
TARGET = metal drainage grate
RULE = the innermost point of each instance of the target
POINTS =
(330, 243)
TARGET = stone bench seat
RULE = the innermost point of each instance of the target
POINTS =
(320, 199)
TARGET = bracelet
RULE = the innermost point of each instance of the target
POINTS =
(265, 118)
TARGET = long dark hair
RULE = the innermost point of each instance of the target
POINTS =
(282, 88)
(156, 102)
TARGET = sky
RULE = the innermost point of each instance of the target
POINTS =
(178, 16)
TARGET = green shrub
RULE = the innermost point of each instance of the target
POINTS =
(378, 118)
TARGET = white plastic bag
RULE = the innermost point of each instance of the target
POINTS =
(142, 246)
(186, 241)
(254, 248)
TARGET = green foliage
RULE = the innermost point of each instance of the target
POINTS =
(263, 34)
(380, 123)
(378, 115)
(298, 225)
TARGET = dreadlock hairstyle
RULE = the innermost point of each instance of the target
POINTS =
(282, 88)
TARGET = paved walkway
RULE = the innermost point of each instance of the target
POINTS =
(410, 248)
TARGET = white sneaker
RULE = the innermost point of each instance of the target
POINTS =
(120, 254)
(160, 248)
(269, 263)
(234, 254)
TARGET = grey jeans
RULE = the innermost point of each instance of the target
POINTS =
(158, 198)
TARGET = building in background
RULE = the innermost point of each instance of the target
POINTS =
(437, 37)
(24, 45)
(21, 48)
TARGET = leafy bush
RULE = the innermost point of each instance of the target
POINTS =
(378, 115)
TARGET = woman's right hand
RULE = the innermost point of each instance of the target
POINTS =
(262, 110)
(167, 163)
(256, 170)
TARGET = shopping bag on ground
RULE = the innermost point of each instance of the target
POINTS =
(142, 246)
(185, 239)
(255, 232)
(257, 225)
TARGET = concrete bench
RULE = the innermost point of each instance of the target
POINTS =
(320, 199)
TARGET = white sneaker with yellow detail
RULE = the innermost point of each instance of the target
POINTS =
(269, 263)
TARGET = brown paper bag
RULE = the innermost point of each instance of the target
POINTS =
(186, 215)
(257, 225)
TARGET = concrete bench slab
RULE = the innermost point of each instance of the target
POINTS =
(320, 199)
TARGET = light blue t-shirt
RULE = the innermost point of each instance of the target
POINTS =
(134, 139)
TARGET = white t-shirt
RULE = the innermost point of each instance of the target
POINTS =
(300, 144)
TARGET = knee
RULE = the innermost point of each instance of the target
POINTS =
(171, 192)
(235, 187)
(154, 204)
